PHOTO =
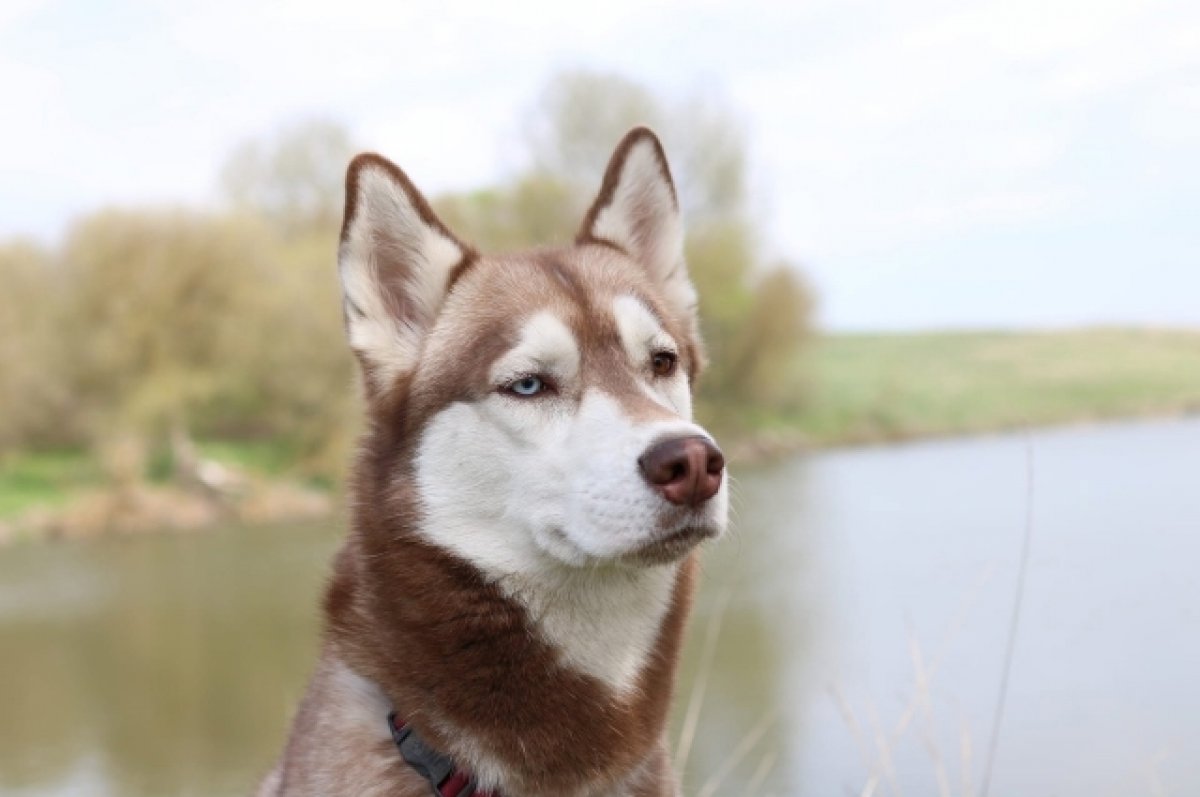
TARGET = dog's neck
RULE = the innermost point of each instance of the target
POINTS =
(603, 621)
(555, 678)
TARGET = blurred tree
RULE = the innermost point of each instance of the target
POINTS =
(581, 115)
(153, 295)
(571, 135)
(34, 398)
(188, 322)
(764, 364)
(294, 179)
(535, 209)
(295, 383)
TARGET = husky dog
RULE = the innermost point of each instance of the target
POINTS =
(505, 615)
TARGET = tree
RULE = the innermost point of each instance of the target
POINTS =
(536, 209)
(185, 322)
(580, 115)
(153, 298)
(35, 401)
(294, 178)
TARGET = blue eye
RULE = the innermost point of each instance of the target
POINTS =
(527, 386)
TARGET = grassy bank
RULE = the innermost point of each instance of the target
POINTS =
(862, 388)
(51, 478)
(868, 388)
(72, 493)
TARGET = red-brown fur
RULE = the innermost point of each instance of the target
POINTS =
(449, 649)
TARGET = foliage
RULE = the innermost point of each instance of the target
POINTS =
(295, 180)
(151, 297)
(535, 209)
(149, 321)
(145, 327)
(36, 405)
(571, 130)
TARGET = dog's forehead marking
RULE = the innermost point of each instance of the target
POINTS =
(641, 332)
(579, 315)
(545, 345)
(482, 321)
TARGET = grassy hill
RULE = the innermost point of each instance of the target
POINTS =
(867, 388)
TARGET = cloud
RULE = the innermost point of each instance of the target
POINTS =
(1170, 116)
(876, 128)
(956, 108)
(15, 11)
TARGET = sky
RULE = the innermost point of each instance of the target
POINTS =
(927, 164)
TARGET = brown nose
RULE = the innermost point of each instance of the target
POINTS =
(685, 470)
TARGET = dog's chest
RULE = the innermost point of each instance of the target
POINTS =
(604, 624)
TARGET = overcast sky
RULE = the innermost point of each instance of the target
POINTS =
(930, 164)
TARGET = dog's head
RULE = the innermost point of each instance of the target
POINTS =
(545, 395)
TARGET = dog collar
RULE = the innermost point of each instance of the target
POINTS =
(443, 776)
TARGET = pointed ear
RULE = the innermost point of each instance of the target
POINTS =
(637, 212)
(396, 260)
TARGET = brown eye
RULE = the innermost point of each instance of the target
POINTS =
(663, 363)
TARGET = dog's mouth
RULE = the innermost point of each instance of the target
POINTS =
(670, 547)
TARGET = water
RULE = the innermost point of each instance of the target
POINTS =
(866, 599)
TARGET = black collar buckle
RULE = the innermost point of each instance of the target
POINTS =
(429, 764)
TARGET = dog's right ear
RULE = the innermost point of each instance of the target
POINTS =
(395, 261)
(637, 212)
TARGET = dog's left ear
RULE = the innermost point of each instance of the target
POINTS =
(637, 211)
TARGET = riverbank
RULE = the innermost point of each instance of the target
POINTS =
(860, 389)
(71, 494)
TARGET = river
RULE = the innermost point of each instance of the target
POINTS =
(861, 608)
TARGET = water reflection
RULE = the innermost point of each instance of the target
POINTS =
(170, 665)
(164, 665)
(767, 589)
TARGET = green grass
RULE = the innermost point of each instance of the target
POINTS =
(50, 478)
(885, 387)
(261, 457)
(43, 478)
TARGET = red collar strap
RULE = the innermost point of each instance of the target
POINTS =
(444, 778)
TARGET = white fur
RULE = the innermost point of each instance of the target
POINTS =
(351, 726)
(643, 219)
(507, 507)
(384, 212)
(544, 496)
(546, 347)
(360, 698)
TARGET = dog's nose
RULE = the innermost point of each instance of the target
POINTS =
(686, 471)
